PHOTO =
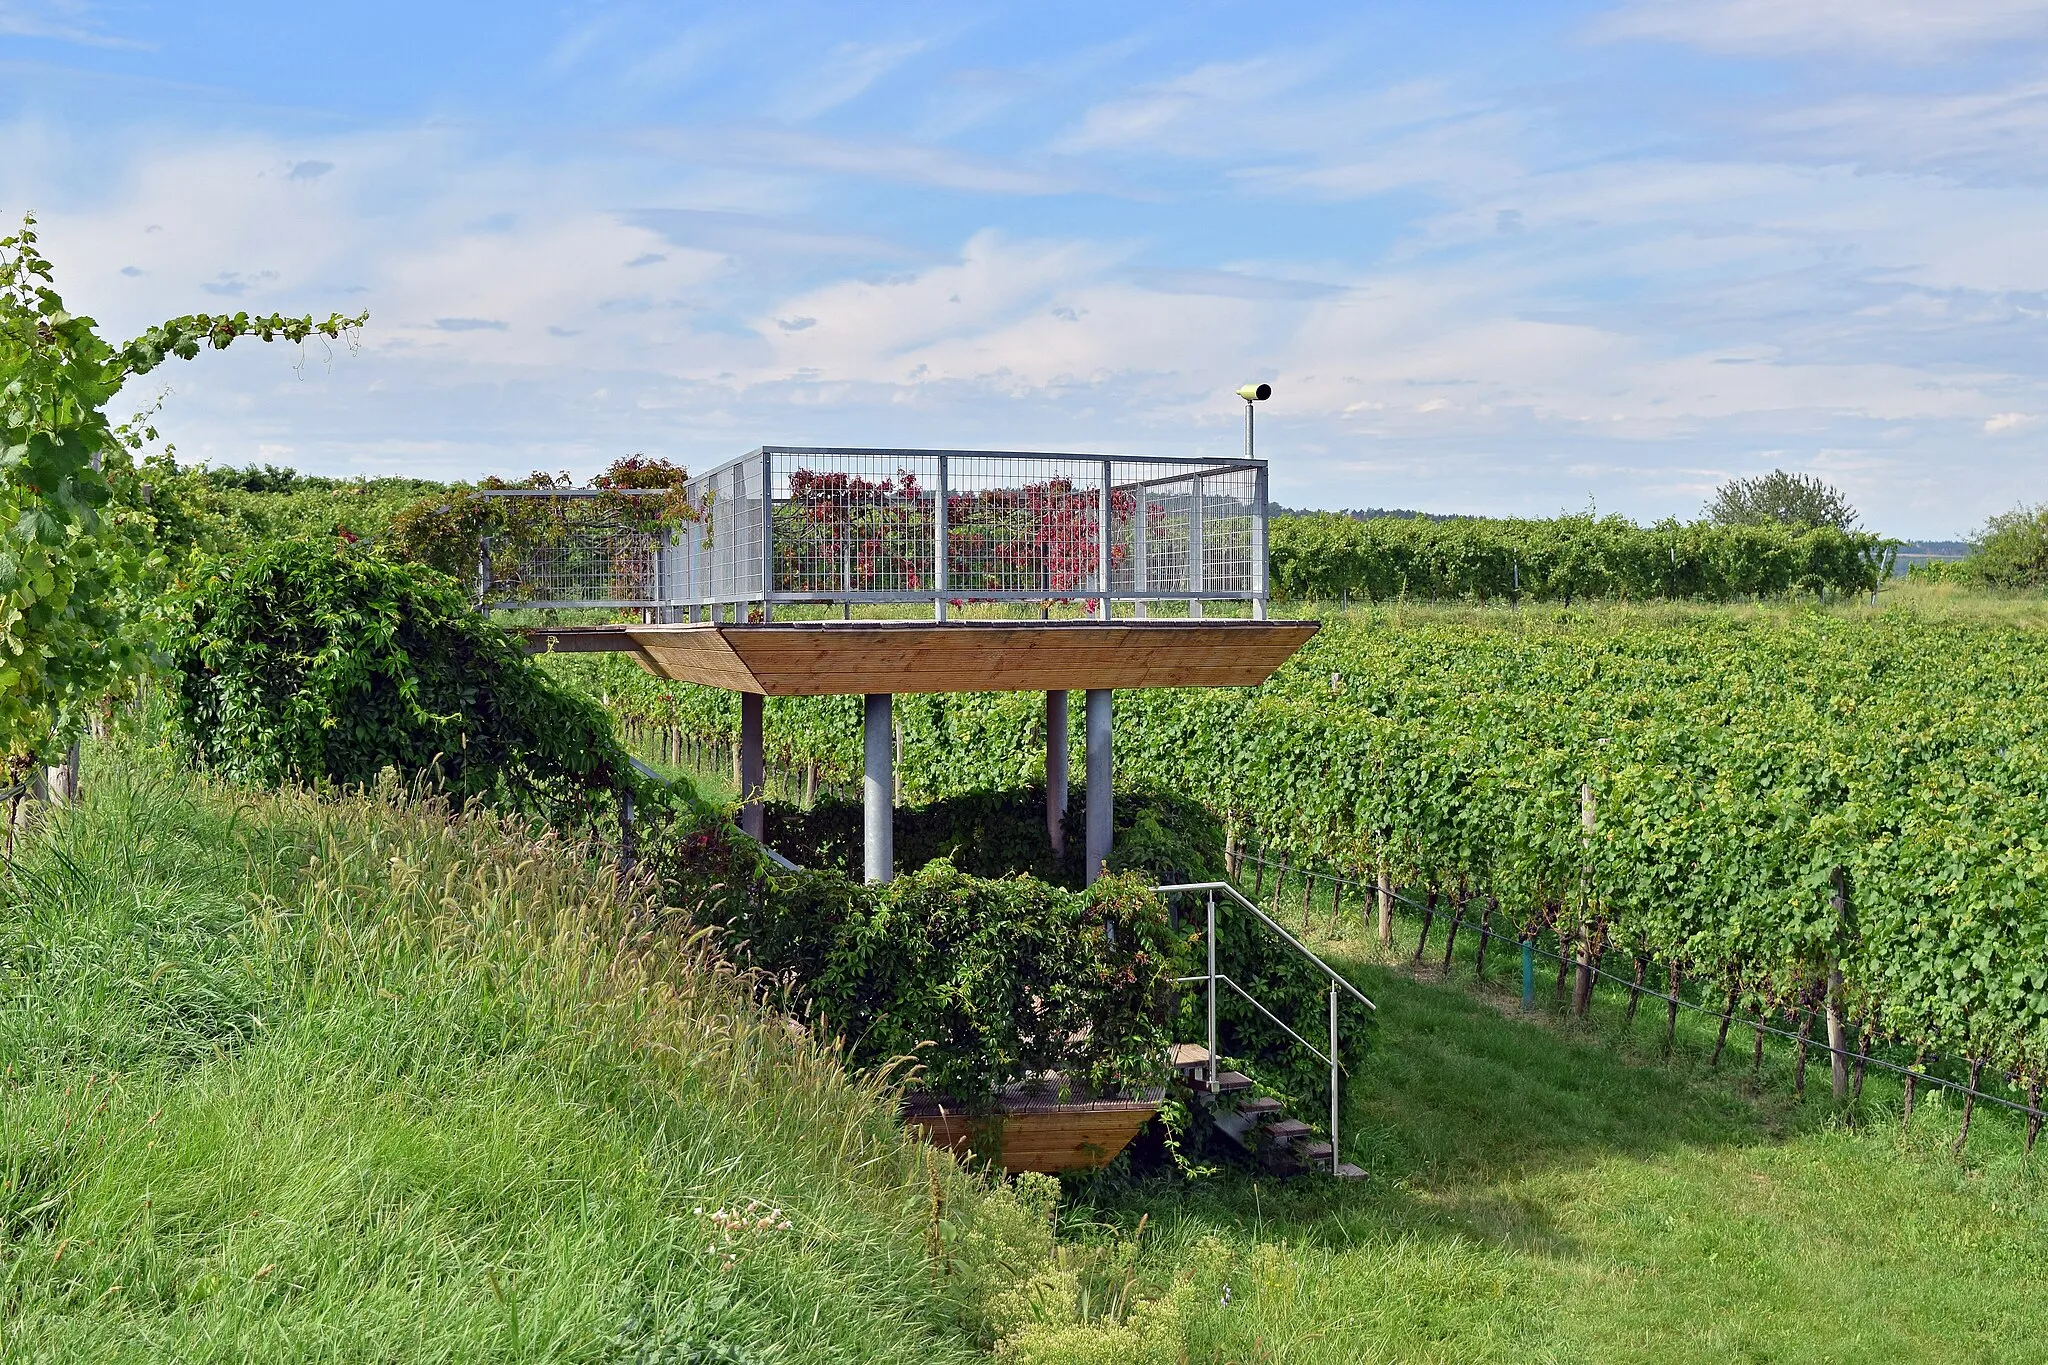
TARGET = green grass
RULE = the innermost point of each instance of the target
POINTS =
(1544, 1190)
(347, 1079)
(296, 1079)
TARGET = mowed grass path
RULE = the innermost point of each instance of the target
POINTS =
(1548, 1191)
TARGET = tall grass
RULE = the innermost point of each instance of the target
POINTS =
(286, 1077)
(1551, 1190)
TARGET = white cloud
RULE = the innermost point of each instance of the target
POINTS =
(1911, 30)
(59, 21)
(844, 76)
(1988, 135)
(2008, 421)
(904, 162)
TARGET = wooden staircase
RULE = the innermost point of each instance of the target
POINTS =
(1259, 1123)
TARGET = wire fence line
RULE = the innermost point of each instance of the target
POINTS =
(1915, 1073)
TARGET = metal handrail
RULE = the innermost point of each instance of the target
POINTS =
(1227, 889)
(1321, 1056)
(1212, 976)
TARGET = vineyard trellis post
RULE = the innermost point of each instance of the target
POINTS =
(1837, 1028)
(1582, 986)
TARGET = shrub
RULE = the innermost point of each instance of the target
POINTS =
(987, 981)
(2011, 551)
(1160, 838)
(325, 663)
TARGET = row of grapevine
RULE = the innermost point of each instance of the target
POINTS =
(1731, 767)
(1328, 557)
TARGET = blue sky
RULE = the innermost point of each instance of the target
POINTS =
(1494, 258)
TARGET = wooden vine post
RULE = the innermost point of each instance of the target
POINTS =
(1386, 906)
(1676, 981)
(1582, 987)
(1838, 1032)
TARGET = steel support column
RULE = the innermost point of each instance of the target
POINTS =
(753, 772)
(878, 788)
(1099, 777)
(1056, 771)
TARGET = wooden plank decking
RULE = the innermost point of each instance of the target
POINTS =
(810, 659)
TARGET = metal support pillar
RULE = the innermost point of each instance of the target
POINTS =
(1099, 771)
(878, 788)
(753, 773)
(1056, 772)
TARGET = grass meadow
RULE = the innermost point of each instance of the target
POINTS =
(286, 1077)
(293, 1078)
(1550, 1190)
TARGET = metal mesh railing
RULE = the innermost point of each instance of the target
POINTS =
(786, 524)
(570, 550)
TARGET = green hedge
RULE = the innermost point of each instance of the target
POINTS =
(320, 662)
(1328, 557)
(984, 981)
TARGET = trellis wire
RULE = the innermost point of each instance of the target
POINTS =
(1920, 1077)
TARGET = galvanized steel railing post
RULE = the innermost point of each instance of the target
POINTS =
(1141, 574)
(1103, 533)
(1214, 1085)
(767, 533)
(1198, 576)
(939, 547)
(1334, 1159)
(1258, 543)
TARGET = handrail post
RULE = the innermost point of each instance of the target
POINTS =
(1213, 1082)
(767, 535)
(939, 547)
(1104, 533)
(1334, 1159)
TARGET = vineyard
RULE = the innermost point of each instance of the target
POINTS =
(1841, 816)
(1331, 558)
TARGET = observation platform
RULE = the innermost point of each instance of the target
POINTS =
(800, 527)
(840, 658)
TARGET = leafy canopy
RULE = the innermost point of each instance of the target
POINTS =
(1789, 499)
(2011, 551)
(70, 627)
(320, 661)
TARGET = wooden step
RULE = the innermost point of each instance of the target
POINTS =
(1318, 1152)
(1230, 1082)
(1347, 1171)
(1259, 1106)
(1287, 1130)
(1187, 1056)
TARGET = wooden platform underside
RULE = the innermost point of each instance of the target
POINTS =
(812, 659)
(1077, 1137)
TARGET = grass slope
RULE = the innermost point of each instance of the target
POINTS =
(292, 1079)
(1548, 1191)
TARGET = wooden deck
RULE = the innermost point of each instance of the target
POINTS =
(831, 658)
